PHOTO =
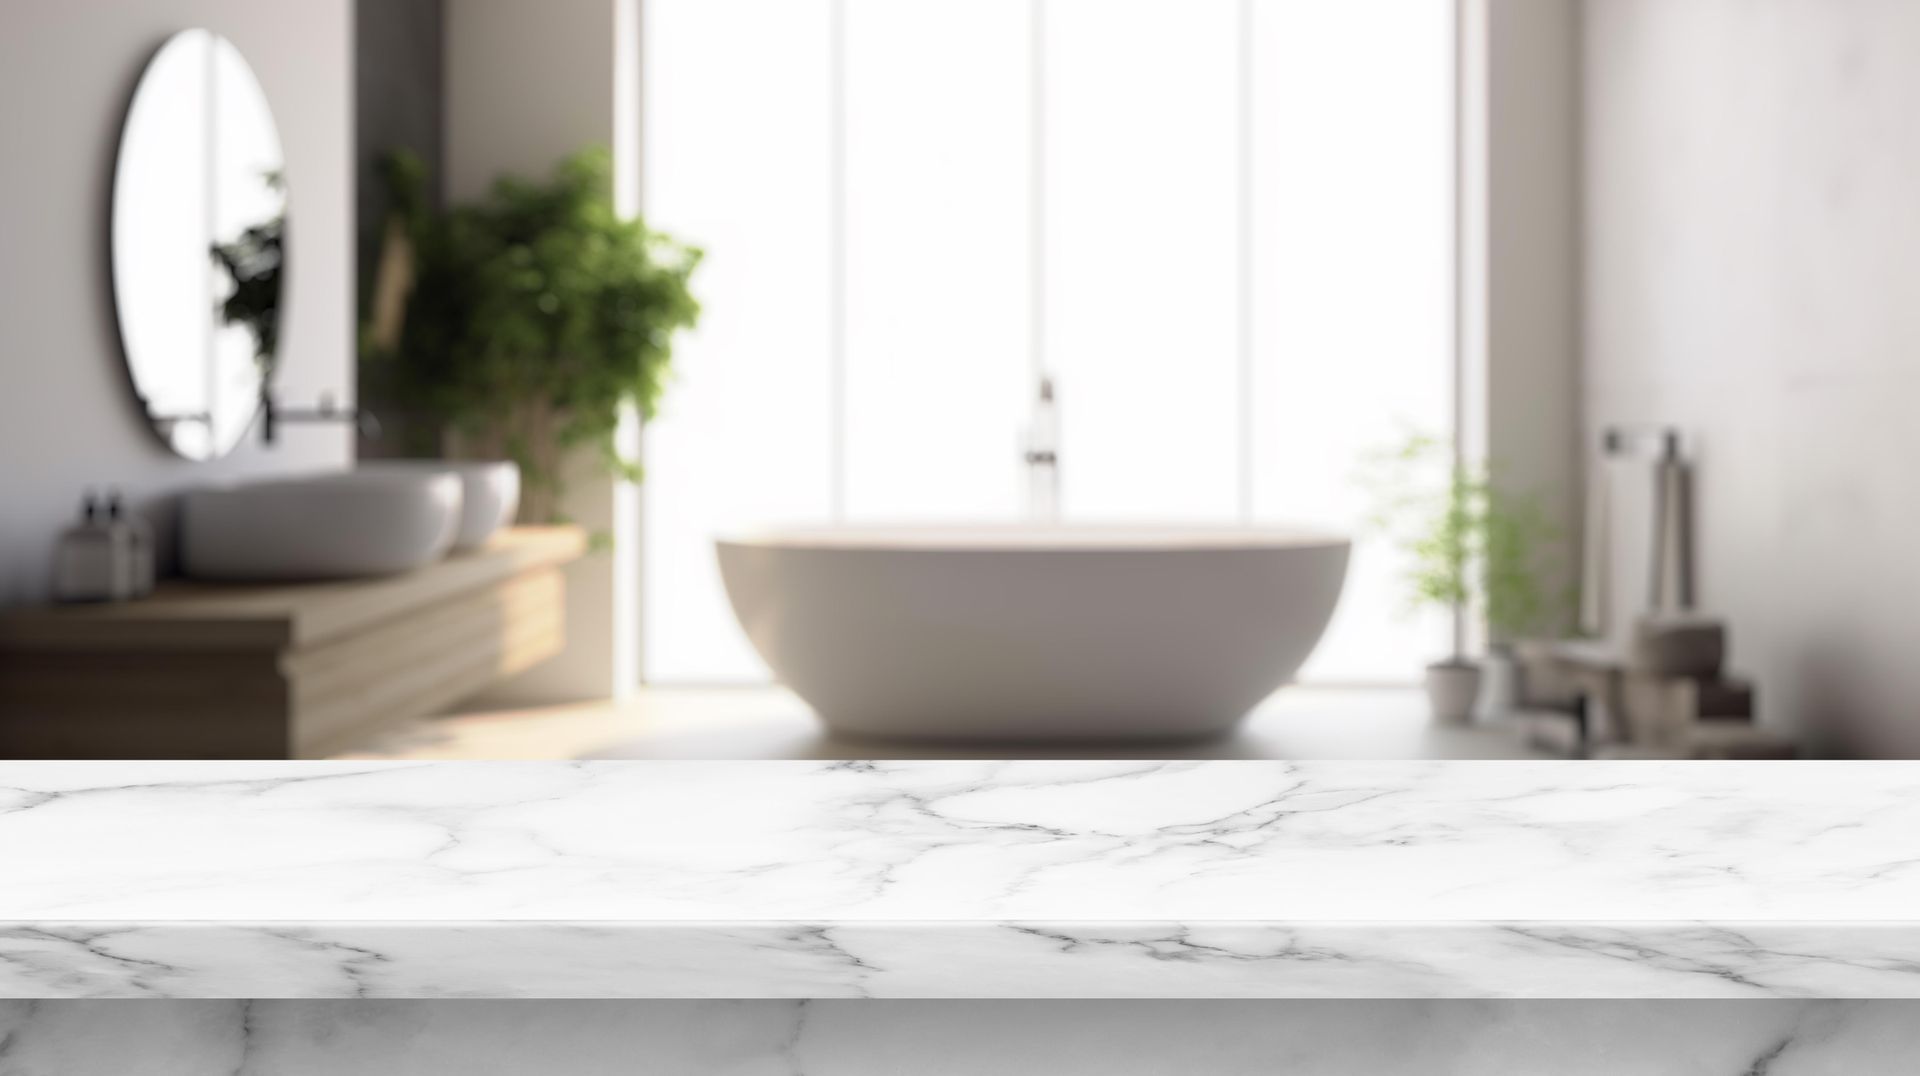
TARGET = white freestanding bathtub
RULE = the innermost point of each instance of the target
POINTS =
(1039, 633)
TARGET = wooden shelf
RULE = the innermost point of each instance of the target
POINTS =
(225, 671)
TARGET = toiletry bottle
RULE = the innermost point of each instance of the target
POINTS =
(84, 561)
(120, 584)
(133, 538)
(145, 556)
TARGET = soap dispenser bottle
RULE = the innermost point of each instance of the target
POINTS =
(133, 540)
(86, 561)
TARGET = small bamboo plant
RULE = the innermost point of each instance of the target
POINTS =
(1470, 544)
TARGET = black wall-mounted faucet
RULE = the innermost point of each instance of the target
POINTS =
(1625, 439)
(272, 415)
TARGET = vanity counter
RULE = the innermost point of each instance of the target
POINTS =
(960, 879)
(279, 670)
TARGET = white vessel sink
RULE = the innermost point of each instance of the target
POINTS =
(333, 526)
(490, 493)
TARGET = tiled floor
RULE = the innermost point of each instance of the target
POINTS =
(769, 723)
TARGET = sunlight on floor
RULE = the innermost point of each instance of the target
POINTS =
(770, 723)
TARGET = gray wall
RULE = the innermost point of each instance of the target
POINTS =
(397, 105)
(1753, 274)
(67, 418)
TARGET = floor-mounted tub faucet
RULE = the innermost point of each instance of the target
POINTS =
(1042, 455)
(1670, 568)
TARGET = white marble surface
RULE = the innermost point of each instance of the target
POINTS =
(957, 879)
(961, 1038)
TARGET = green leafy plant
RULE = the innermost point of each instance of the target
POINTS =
(1470, 542)
(529, 321)
(253, 262)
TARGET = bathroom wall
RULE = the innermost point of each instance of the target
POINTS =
(527, 85)
(1753, 253)
(399, 104)
(1520, 257)
(67, 416)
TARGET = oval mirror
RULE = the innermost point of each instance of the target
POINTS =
(199, 228)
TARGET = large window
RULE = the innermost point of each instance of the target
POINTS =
(1224, 226)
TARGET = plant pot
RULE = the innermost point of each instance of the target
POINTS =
(1499, 684)
(1452, 689)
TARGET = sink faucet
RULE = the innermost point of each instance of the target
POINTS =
(1042, 455)
(272, 415)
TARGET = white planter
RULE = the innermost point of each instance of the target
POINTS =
(1452, 689)
(1499, 685)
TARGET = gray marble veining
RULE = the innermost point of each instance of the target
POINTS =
(960, 1038)
(960, 879)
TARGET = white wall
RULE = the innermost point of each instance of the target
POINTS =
(1753, 275)
(528, 84)
(1520, 254)
(67, 417)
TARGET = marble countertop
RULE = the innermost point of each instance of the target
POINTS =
(960, 879)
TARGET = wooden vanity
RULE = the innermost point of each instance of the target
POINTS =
(202, 670)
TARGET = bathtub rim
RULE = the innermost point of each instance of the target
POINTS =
(1117, 537)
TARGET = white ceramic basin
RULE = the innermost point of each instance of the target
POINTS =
(334, 526)
(489, 493)
(1000, 633)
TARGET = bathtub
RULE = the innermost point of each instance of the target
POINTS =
(1029, 633)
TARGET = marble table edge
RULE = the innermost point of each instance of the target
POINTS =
(1560, 959)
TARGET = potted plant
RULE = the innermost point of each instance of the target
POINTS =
(1471, 545)
(521, 326)
(1516, 544)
